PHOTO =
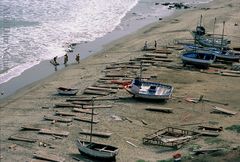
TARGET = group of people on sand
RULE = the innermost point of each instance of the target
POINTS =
(66, 59)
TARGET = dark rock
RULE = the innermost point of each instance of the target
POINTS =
(156, 3)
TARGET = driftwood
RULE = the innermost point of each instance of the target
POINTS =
(48, 157)
(80, 103)
(24, 139)
(160, 109)
(131, 144)
(53, 132)
(58, 119)
(97, 106)
(144, 122)
(98, 134)
(86, 120)
(222, 110)
(84, 111)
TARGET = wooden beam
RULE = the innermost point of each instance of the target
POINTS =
(222, 110)
(160, 109)
(54, 132)
(97, 106)
(24, 139)
(85, 120)
(48, 157)
(58, 119)
(83, 111)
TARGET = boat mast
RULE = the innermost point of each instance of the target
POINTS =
(214, 30)
(222, 35)
(140, 71)
(201, 20)
(91, 122)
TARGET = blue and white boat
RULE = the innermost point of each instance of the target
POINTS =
(200, 59)
(149, 90)
(226, 55)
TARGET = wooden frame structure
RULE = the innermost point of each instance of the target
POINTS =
(170, 137)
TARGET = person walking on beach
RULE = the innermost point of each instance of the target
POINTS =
(65, 59)
(155, 44)
(145, 46)
(78, 58)
(55, 60)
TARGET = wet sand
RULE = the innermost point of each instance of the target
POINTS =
(32, 103)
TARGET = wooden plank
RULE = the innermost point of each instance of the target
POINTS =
(60, 113)
(84, 111)
(156, 55)
(49, 157)
(37, 160)
(87, 91)
(64, 105)
(86, 120)
(102, 89)
(166, 140)
(98, 134)
(24, 139)
(30, 128)
(81, 103)
(210, 128)
(54, 132)
(222, 110)
(229, 74)
(206, 150)
(58, 119)
(109, 86)
(160, 109)
(97, 106)
(209, 133)
(163, 59)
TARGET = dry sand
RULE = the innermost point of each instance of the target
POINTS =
(26, 106)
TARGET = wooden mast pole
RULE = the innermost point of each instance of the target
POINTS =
(222, 35)
(91, 123)
(214, 31)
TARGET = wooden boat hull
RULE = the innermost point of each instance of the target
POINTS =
(145, 91)
(198, 59)
(96, 150)
(210, 41)
(67, 91)
(221, 55)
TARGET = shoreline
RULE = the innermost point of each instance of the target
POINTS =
(35, 101)
(45, 69)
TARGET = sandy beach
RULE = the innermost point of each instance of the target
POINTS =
(125, 119)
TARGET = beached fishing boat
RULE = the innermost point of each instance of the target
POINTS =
(201, 59)
(67, 91)
(149, 90)
(226, 55)
(209, 41)
(96, 150)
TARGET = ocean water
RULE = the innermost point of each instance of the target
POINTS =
(36, 30)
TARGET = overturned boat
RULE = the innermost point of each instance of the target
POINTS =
(149, 90)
